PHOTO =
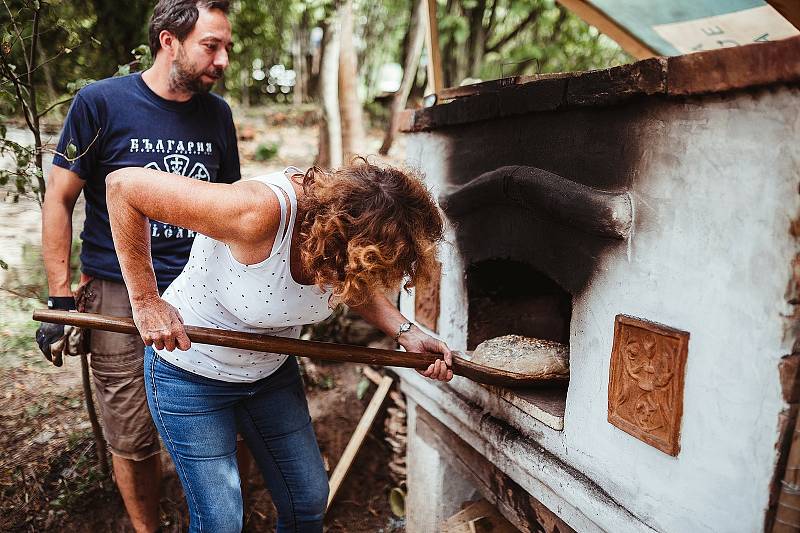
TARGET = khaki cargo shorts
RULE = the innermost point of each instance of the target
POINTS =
(117, 367)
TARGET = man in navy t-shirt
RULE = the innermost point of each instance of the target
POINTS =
(164, 118)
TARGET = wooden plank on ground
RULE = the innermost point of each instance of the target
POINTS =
(372, 375)
(358, 437)
(478, 517)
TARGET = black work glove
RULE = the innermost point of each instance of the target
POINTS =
(54, 338)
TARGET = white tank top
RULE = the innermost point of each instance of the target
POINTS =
(217, 291)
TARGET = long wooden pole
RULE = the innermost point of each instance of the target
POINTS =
(360, 433)
(97, 431)
(313, 349)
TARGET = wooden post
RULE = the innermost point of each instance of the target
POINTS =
(435, 82)
(330, 152)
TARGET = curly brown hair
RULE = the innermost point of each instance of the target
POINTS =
(365, 228)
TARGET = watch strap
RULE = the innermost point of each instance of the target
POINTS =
(404, 327)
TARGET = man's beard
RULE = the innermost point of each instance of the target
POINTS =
(183, 77)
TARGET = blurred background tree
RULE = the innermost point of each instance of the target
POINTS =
(52, 48)
(490, 39)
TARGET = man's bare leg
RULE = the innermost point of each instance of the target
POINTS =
(139, 483)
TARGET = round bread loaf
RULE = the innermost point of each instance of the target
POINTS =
(524, 355)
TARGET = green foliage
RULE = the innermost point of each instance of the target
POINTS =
(490, 39)
(22, 179)
(17, 330)
(260, 33)
(82, 477)
(74, 86)
(378, 113)
(362, 387)
(29, 279)
(266, 151)
(486, 39)
(119, 27)
(327, 382)
(380, 38)
(558, 41)
(37, 38)
(142, 60)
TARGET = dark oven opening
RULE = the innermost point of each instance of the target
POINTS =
(511, 297)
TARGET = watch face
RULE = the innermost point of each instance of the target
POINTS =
(403, 328)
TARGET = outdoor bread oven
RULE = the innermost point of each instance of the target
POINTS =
(646, 217)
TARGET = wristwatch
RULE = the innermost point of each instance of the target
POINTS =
(405, 326)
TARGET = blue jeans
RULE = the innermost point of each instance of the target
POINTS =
(198, 419)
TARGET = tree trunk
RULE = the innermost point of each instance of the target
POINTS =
(34, 109)
(477, 39)
(299, 58)
(330, 154)
(314, 61)
(349, 102)
(245, 90)
(416, 41)
(299, 90)
(52, 95)
(449, 50)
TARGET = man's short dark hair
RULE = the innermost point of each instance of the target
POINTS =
(179, 17)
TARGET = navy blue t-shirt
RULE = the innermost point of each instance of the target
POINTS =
(120, 122)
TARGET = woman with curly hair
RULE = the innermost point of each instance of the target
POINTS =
(272, 253)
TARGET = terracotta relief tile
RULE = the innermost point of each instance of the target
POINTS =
(645, 389)
(426, 300)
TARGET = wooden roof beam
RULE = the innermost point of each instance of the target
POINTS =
(592, 15)
(790, 9)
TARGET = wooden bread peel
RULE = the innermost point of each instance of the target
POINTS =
(326, 351)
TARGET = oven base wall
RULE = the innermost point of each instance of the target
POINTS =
(437, 490)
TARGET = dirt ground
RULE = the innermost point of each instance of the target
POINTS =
(49, 476)
(50, 482)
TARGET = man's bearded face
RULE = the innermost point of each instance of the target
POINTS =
(186, 75)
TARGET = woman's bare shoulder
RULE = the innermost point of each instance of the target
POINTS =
(259, 202)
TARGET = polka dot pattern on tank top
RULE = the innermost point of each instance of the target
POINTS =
(216, 291)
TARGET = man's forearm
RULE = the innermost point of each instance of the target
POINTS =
(56, 246)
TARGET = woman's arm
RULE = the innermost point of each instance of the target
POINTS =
(244, 215)
(380, 312)
(239, 213)
(158, 322)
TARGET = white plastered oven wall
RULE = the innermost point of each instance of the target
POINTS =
(710, 253)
